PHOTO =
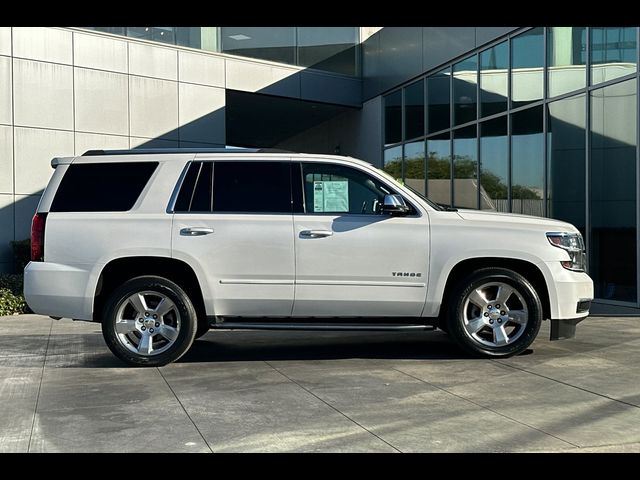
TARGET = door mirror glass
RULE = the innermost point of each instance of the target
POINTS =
(394, 204)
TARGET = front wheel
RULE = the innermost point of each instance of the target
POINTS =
(494, 312)
(149, 321)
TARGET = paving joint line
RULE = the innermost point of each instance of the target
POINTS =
(35, 409)
(486, 408)
(566, 384)
(334, 408)
(185, 411)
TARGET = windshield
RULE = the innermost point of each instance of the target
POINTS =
(431, 203)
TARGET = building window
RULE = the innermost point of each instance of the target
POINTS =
(527, 162)
(566, 123)
(494, 65)
(439, 100)
(414, 167)
(566, 58)
(465, 167)
(393, 162)
(465, 82)
(613, 53)
(414, 110)
(527, 60)
(494, 165)
(439, 168)
(393, 118)
(613, 248)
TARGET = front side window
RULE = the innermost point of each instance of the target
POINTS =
(337, 189)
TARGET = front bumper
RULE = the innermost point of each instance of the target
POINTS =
(570, 294)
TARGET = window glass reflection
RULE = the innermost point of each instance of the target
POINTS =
(465, 80)
(414, 110)
(613, 246)
(439, 168)
(566, 157)
(494, 64)
(527, 162)
(274, 43)
(438, 94)
(494, 165)
(465, 168)
(527, 57)
(414, 166)
(332, 49)
(613, 53)
(566, 56)
(393, 118)
(393, 162)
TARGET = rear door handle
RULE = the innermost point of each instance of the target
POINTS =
(195, 231)
(315, 233)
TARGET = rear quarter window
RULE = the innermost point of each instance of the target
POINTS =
(102, 187)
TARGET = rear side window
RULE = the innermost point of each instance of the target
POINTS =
(252, 187)
(195, 192)
(236, 187)
(102, 187)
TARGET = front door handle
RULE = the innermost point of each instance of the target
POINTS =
(195, 231)
(315, 233)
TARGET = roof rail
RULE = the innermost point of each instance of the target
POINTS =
(159, 151)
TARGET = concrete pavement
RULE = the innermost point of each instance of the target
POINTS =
(244, 391)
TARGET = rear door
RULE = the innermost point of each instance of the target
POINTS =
(234, 219)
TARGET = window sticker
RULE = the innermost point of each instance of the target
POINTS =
(331, 196)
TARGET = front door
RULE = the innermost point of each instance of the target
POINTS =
(350, 259)
(233, 219)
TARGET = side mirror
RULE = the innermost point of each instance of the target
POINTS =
(394, 205)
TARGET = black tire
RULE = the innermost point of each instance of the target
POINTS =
(183, 305)
(523, 335)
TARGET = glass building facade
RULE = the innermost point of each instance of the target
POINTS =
(541, 122)
(332, 49)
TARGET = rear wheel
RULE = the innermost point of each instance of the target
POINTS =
(149, 321)
(494, 312)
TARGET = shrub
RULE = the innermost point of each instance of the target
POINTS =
(11, 298)
(21, 253)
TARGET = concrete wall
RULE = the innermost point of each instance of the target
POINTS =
(64, 91)
(394, 55)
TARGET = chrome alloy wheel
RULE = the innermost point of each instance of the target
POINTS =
(147, 323)
(495, 314)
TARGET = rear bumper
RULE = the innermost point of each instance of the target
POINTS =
(58, 290)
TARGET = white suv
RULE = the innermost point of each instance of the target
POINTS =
(160, 246)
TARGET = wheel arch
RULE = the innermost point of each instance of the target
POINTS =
(525, 268)
(119, 270)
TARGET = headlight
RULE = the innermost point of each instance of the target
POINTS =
(574, 245)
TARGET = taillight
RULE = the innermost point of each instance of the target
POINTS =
(37, 237)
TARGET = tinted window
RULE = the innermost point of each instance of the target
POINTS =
(527, 58)
(438, 101)
(252, 187)
(102, 187)
(414, 110)
(335, 189)
(465, 81)
(393, 118)
(186, 190)
(201, 200)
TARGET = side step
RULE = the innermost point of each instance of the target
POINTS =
(372, 327)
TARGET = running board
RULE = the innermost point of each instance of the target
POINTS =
(318, 326)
